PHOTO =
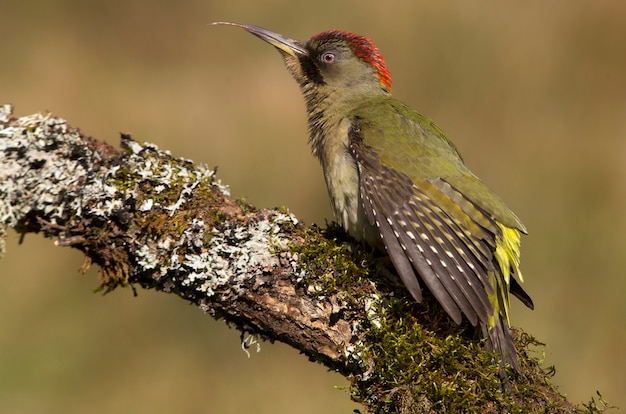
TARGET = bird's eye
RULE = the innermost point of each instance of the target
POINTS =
(328, 57)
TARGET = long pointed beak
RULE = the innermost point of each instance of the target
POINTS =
(280, 42)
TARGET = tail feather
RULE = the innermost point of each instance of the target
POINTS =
(518, 292)
(500, 341)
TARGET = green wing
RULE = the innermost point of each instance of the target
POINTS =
(437, 220)
(403, 137)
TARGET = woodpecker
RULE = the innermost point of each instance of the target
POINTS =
(396, 182)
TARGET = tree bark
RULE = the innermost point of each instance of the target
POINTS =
(150, 220)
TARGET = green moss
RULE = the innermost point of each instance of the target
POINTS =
(336, 265)
(244, 205)
(415, 363)
(422, 361)
(596, 407)
(123, 179)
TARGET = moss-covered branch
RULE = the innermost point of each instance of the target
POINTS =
(154, 221)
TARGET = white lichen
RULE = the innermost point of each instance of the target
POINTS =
(49, 168)
(233, 255)
(146, 257)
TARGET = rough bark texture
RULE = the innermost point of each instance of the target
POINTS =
(151, 220)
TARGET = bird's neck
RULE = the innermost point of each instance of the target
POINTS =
(324, 112)
(326, 108)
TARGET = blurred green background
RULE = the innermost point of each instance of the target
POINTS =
(533, 93)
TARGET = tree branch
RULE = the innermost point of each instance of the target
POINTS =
(151, 220)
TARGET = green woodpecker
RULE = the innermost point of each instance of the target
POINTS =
(397, 182)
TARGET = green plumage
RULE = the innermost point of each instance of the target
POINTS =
(398, 183)
(411, 143)
(436, 218)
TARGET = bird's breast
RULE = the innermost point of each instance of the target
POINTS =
(342, 180)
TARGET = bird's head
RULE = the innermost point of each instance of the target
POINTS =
(330, 61)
